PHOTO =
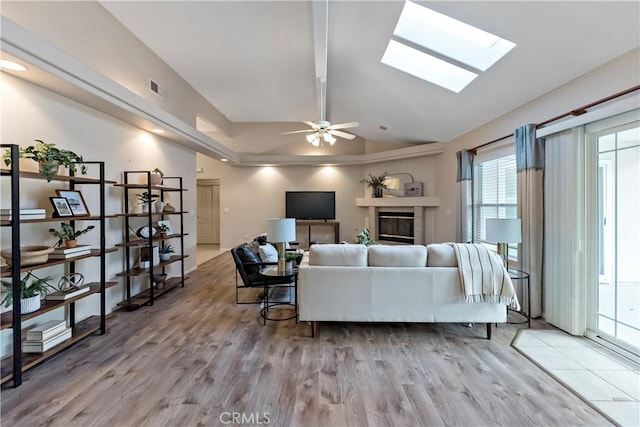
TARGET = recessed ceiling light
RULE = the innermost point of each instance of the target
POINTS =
(224, 160)
(158, 131)
(10, 65)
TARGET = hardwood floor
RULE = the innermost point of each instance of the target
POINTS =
(197, 358)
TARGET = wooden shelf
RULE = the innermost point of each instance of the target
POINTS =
(153, 187)
(140, 271)
(144, 215)
(29, 360)
(6, 223)
(142, 242)
(6, 271)
(144, 297)
(6, 319)
(79, 179)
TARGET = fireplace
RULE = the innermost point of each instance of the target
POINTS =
(396, 227)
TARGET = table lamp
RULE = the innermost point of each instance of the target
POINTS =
(281, 231)
(503, 232)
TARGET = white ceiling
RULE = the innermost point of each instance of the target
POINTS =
(254, 61)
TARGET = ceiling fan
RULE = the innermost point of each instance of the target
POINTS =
(322, 130)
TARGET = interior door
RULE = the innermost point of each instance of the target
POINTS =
(208, 213)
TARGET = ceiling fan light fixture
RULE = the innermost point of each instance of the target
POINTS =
(329, 138)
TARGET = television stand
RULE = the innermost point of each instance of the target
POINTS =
(309, 224)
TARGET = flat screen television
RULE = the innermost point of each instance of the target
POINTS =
(311, 204)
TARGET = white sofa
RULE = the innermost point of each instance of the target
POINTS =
(403, 283)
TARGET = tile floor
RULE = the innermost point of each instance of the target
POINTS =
(608, 382)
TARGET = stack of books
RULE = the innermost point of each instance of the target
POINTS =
(66, 294)
(64, 253)
(5, 214)
(46, 336)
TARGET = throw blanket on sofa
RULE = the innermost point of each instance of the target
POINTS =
(483, 277)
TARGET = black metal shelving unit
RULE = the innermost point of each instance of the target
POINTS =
(148, 295)
(11, 367)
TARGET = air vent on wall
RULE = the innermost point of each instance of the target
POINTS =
(157, 89)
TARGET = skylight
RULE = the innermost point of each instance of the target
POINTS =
(447, 38)
(427, 67)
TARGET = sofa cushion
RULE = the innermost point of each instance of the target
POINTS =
(397, 256)
(441, 255)
(268, 253)
(350, 255)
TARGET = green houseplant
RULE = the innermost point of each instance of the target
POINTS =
(49, 158)
(68, 235)
(377, 183)
(165, 252)
(29, 292)
(163, 229)
(364, 237)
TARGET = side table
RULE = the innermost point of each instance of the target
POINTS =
(523, 277)
(272, 272)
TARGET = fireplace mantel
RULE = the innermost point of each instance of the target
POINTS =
(411, 202)
(422, 207)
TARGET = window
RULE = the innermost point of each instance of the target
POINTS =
(495, 193)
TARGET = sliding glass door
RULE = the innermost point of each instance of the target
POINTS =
(617, 297)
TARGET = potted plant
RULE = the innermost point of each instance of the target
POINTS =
(377, 183)
(156, 176)
(291, 258)
(29, 293)
(49, 158)
(163, 229)
(165, 252)
(68, 235)
(364, 237)
(145, 200)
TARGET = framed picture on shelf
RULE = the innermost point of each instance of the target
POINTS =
(61, 207)
(76, 202)
(167, 223)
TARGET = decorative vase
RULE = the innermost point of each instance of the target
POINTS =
(168, 208)
(71, 244)
(165, 257)
(158, 206)
(156, 179)
(29, 305)
(376, 192)
(145, 208)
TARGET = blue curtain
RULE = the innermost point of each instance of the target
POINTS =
(529, 150)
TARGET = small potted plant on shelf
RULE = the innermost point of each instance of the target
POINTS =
(165, 252)
(68, 235)
(29, 292)
(377, 184)
(156, 176)
(145, 200)
(364, 237)
(49, 158)
(163, 229)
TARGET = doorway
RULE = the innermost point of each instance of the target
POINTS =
(208, 216)
(617, 297)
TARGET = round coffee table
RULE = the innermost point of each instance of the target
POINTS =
(273, 272)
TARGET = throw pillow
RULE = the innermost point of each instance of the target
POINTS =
(246, 255)
(268, 253)
(441, 255)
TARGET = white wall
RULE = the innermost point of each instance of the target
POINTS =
(620, 74)
(30, 112)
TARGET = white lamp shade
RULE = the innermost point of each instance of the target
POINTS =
(281, 229)
(503, 231)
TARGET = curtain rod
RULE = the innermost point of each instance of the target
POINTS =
(576, 112)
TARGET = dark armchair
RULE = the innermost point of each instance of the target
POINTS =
(248, 265)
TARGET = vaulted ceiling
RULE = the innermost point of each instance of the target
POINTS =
(254, 61)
